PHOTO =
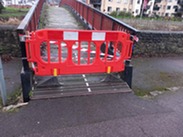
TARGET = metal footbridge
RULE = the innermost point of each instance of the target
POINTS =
(66, 62)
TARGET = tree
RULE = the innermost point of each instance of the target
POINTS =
(1, 6)
(179, 9)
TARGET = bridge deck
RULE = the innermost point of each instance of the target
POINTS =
(58, 17)
(77, 85)
(74, 85)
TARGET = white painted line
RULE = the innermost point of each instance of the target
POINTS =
(89, 89)
(87, 84)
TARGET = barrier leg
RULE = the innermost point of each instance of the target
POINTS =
(26, 80)
(126, 75)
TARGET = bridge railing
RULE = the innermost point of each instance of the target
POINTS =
(31, 20)
(97, 20)
(28, 24)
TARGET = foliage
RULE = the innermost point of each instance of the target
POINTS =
(14, 97)
(180, 9)
(121, 14)
(1, 6)
(13, 12)
(114, 14)
(125, 14)
(42, 21)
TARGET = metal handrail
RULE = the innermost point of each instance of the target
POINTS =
(30, 16)
(73, 3)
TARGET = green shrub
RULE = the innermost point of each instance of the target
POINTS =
(114, 14)
(125, 14)
(122, 13)
(1, 7)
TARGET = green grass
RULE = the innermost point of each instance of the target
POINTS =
(13, 98)
(122, 15)
(42, 21)
(143, 92)
(13, 12)
(1, 103)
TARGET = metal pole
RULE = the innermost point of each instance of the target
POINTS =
(2, 85)
(142, 9)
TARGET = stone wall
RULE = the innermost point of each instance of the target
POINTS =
(9, 40)
(151, 43)
(155, 43)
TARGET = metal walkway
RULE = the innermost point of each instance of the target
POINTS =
(77, 85)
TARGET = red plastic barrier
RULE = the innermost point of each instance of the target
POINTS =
(58, 52)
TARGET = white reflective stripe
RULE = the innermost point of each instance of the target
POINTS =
(22, 38)
(98, 36)
(33, 66)
(70, 35)
(23, 58)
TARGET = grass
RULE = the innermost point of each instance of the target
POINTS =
(143, 92)
(150, 23)
(1, 103)
(43, 16)
(8, 12)
(14, 96)
(144, 24)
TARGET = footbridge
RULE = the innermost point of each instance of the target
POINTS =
(81, 51)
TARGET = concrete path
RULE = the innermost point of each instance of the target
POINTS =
(12, 71)
(157, 73)
(59, 17)
(108, 115)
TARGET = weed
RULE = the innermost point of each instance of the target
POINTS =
(1, 103)
(43, 16)
(13, 12)
(141, 93)
(14, 97)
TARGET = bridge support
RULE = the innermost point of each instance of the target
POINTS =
(26, 80)
(26, 73)
(127, 74)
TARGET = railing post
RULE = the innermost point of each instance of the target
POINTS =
(93, 19)
(29, 23)
(26, 72)
(2, 85)
(82, 12)
(127, 74)
(113, 25)
(25, 63)
(101, 21)
(87, 15)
